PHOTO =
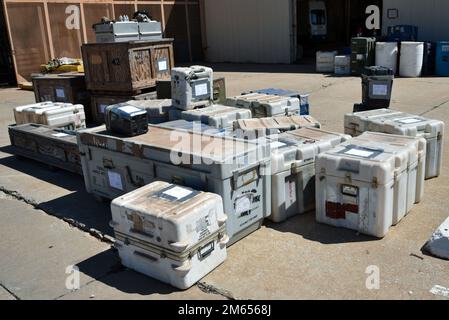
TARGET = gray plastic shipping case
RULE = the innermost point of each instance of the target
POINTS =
(216, 115)
(150, 30)
(293, 169)
(197, 126)
(238, 171)
(362, 186)
(169, 232)
(260, 127)
(401, 123)
(157, 109)
(191, 87)
(416, 164)
(120, 31)
(266, 105)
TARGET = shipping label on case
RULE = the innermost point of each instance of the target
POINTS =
(290, 193)
(242, 205)
(162, 65)
(115, 180)
(60, 93)
(409, 120)
(380, 89)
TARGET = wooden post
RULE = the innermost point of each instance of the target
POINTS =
(188, 31)
(19, 78)
(47, 22)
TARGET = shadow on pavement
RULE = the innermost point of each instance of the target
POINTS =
(77, 205)
(121, 278)
(306, 226)
(262, 68)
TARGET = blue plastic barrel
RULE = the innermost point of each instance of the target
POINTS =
(442, 59)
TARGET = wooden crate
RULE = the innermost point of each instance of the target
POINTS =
(64, 87)
(127, 67)
(100, 101)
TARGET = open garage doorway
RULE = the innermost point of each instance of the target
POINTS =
(329, 24)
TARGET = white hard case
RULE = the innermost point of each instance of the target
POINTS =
(191, 87)
(293, 170)
(217, 115)
(395, 122)
(266, 105)
(54, 114)
(255, 128)
(357, 187)
(417, 155)
(167, 215)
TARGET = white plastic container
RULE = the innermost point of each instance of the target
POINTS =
(293, 170)
(417, 150)
(387, 55)
(266, 105)
(325, 61)
(401, 123)
(54, 114)
(357, 186)
(191, 87)
(342, 65)
(405, 187)
(217, 115)
(411, 60)
(260, 127)
(171, 233)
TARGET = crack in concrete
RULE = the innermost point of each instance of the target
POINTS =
(10, 292)
(210, 289)
(72, 222)
(434, 108)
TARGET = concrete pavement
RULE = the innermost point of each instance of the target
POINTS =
(296, 259)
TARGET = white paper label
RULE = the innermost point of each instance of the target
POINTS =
(130, 109)
(409, 120)
(445, 48)
(60, 134)
(242, 204)
(162, 65)
(102, 107)
(177, 192)
(290, 193)
(277, 145)
(115, 180)
(380, 89)
(359, 153)
(201, 89)
(60, 93)
(360, 57)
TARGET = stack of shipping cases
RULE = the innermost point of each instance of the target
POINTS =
(400, 123)
(237, 170)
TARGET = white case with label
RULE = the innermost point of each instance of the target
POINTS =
(216, 115)
(400, 123)
(358, 186)
(169, 232)
(293, 170)
(54, 114)
(266, 105)
(260, 127)
(191, 87)
(417, 158)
